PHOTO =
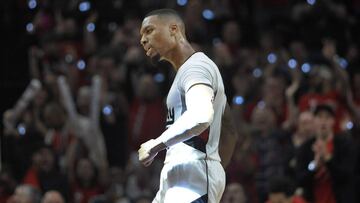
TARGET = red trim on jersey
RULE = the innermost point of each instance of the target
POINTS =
(205, 135)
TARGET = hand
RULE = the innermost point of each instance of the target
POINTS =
(147, 152)
(321, 150)
(317, 154)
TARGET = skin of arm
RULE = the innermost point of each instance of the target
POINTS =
(67, 98)
(228, 137)
(192, 122)
(95, 101)
(291, 121)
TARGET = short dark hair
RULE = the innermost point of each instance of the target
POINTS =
(324, 108)
(164, 12)
(170, 13)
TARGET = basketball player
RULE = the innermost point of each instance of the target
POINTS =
(196, 102)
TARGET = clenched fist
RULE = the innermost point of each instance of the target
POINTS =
(149, 150)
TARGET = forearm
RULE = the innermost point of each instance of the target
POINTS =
(95, 100)
(66, 97)
(290, 122)
(183, 129)
(30, 92)
(228, 137)
(194, 120)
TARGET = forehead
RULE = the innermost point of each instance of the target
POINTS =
(149, 21)
(323, 114)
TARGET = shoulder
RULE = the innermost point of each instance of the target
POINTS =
(198, 60)
(343, 139)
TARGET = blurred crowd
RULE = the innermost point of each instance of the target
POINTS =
(291, 72)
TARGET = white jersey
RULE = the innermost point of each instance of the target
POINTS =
(198, 69)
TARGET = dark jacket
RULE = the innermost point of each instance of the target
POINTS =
(341, 168)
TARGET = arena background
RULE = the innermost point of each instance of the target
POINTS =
(277, 57)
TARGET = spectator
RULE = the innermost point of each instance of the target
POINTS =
(326, 163)
(85, 124)
(305, 130)
(327, 84)
(44, 173)
(86, 183)
(314, 41)
(57, 134)
(268, 146)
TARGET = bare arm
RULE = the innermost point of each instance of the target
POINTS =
(228, 137)
(95, 100)
(22, 103)
(67, 98)
(290, 122)
(344, 87)
(192, 122)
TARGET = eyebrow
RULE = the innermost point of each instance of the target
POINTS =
(143, 29)
(146, 28)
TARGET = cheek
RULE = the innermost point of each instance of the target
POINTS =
(331, 122)
(162, 41)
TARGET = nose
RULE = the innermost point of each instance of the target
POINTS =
(143, 40)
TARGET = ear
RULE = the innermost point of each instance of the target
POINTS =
(173, 28)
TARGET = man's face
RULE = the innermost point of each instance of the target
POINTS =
(306, 123)
(155, 36)
(324, 122)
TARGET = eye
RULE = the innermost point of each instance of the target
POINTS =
(149, 30)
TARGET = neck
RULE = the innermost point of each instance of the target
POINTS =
(179, 54)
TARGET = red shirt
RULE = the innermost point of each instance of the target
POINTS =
(83, 195)
(31, 178)
(323, 191)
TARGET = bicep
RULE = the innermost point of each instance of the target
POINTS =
(199, 95)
